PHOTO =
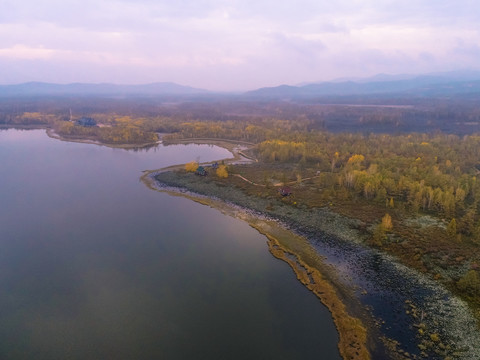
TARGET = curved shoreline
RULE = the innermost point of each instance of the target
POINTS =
(352, 333)
(447, 319)
(52, 134)
(468, 344)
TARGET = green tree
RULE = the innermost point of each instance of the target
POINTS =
(379, 235)
(470, 283)
(452, 229)
(467, 223)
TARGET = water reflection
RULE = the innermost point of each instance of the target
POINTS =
(94, 265)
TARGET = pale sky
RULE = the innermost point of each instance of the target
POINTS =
(236, 44)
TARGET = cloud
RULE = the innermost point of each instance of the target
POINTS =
(234, 42)
(21, 52)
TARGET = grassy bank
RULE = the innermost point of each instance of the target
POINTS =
(338, 230)
(305, 262)
(420, 240)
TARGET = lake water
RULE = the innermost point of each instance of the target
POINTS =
(94, 265)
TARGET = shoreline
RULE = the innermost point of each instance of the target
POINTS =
(448, 321)
(292, 249)
(439, 304)
(231, 145)
(52, 134)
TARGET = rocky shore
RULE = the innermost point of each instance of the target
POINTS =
(408, 315)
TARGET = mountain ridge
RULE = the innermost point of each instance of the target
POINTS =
(419, 86)
(433, 84)
(106, 89)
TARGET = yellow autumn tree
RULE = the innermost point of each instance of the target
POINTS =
(356, 159)
(222, 171)
(191, 166)
(380, 231)
(387, 222)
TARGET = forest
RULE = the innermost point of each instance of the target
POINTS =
(385, 163)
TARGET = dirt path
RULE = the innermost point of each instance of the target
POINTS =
(277, 184)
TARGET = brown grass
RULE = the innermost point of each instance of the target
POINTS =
(352, 333)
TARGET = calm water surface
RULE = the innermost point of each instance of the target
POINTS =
(94, 265)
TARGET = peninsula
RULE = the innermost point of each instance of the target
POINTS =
(385, 221)
(306, 237)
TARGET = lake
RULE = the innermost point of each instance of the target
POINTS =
(94, 265)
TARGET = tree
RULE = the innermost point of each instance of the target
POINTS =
(387, 222)
(378, 235)
(380, 231)
(452, 229)
(356, 160)
(66, 128)
(467, 223)
(470, 283)
(334, 161)
(222, 171)
(191, 166)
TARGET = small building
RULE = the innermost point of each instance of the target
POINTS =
(201, 171)
(215, 166)
(285, 191)
(86, 121)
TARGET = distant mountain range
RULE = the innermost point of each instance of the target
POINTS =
(436, 84)
(454, 83)
(80, 89)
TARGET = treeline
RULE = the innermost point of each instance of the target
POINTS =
(124, 131)
(254, 131)
(434, 173)
(27, 118)
(431, 173)
(458, 115)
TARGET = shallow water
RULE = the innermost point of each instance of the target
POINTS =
(392, 299)
(94, 265)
